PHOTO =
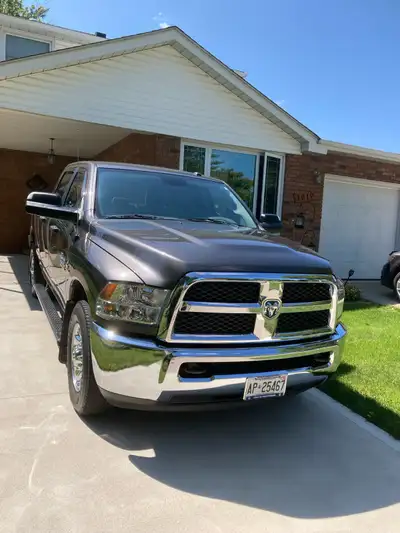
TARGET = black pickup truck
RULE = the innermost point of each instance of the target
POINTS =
(164, 291)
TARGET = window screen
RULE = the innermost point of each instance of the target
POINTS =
(17, 47)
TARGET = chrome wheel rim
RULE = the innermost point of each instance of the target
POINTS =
(398, 287)
(76, 357)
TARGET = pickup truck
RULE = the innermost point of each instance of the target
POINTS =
(164, 291)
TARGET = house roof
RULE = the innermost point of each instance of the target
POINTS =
(41, 28)
(180, 41)
(360, 151)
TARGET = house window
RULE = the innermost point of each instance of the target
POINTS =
(238, 169)
(271, 185)
(17, 47)
(256, 178)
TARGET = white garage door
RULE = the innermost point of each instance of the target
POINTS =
(359, 225)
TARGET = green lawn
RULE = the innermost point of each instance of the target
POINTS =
(368, 380)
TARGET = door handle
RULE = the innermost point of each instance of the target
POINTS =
(54, 228)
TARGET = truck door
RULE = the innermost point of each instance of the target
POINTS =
(62, 235)
(50, 229)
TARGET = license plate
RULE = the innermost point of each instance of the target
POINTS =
(263, 387)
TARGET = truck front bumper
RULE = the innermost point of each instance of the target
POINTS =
(139, 373)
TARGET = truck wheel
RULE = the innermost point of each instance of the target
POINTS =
(396, 286)
(83, 390)
(35, 274)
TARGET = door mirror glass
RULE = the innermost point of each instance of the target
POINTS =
(49, 205)
(271, 223)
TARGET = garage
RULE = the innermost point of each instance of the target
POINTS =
(359, 226)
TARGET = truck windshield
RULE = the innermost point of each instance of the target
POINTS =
(124, 193)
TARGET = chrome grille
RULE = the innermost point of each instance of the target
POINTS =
(236, 308)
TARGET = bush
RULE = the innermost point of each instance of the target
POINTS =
(352, 293)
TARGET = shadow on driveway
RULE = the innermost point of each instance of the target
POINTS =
(14, 278)
(294, 457)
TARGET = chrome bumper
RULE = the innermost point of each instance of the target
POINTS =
(137, 371)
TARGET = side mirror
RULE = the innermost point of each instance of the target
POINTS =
(271, 223)
(48, 205)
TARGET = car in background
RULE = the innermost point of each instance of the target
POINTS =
(390, 276)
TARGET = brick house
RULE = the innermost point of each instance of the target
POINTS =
(159, 98)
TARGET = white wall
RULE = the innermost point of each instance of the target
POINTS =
(154, 90)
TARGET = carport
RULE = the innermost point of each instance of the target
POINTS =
(25, 141)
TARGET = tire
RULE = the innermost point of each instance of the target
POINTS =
(84, 393)
(396, 286)
(35, 274)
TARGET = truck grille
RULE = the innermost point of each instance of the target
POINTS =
(306, 292)
(291, 322)
(234, 308)
(224, 292)
(214, 324)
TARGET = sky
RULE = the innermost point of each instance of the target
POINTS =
(332, 64)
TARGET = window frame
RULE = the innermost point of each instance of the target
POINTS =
(24, 35)
(77, 170)
(258, 203)
(65, 171)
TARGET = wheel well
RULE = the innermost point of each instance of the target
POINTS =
(76, 294)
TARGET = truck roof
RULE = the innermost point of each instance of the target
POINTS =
(142, 168)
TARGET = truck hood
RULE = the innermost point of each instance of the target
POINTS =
(161, 252)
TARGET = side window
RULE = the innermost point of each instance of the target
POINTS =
(62, 185)
(74, 196)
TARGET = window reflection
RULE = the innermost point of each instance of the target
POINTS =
(194, 158)
(236, 169)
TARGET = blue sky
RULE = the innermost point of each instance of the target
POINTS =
(332, 64)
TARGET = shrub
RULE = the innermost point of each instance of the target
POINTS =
(352, 293)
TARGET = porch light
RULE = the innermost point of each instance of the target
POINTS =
(299, 221)
(51, 155)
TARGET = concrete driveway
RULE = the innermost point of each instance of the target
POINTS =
(297, 465)
(376, 293)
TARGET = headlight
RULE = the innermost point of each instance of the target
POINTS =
(340, 296)
(131, 302)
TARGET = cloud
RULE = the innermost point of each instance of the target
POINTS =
(160, 19)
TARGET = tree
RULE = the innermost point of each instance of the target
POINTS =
(16, 8)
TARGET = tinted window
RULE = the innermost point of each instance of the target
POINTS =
(62, 185)
(128, 192)
(74, 196)
(17, 47)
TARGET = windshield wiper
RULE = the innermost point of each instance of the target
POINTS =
(213, 221)
(138, 215)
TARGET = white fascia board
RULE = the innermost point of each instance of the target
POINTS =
(245, 90)
(42, 28)
(360, 151)
(83, 54)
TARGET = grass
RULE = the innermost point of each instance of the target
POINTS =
(368, 380)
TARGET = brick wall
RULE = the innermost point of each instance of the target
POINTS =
(16, 168)
(303, 194)
(142, 149)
